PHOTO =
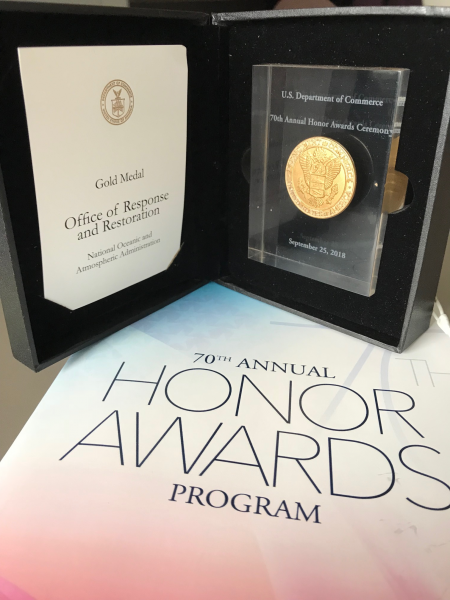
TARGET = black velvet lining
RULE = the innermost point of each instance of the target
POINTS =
(56, 330)
(421, 44)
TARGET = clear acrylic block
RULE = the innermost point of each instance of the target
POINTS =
(359, 108)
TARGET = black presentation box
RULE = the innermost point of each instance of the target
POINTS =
(221, 51)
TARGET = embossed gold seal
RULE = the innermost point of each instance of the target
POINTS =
(117, 102)
(320, 177)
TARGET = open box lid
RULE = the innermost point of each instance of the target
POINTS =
(42, 331)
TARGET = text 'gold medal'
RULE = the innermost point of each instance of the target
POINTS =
(320, 177)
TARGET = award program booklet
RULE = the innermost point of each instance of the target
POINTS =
(107, 130)
(224, 449)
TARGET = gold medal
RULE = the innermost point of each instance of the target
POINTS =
(320, 177)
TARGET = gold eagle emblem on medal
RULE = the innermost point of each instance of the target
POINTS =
(320, 177)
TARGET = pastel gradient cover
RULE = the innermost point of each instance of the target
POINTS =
(224, 449)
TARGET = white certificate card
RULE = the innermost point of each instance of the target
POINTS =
(107, 129)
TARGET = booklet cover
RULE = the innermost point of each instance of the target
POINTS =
(223, 448)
